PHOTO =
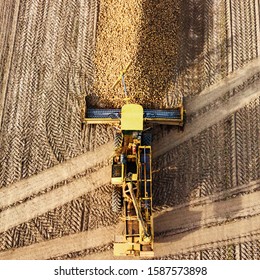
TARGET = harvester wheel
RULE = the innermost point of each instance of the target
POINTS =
(118, 140)
(116, 199)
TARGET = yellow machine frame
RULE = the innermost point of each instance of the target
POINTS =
(138, 236)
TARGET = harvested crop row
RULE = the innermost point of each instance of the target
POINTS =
(143, 33)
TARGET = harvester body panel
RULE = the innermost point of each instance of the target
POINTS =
(132, 117)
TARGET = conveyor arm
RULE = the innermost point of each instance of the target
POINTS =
(112, 116)
(137, 209)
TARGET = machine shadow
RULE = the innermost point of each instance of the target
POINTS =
(183, 228)
(174, 225)
(169, 44)
(173, 38)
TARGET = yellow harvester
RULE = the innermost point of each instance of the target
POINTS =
(131, 174)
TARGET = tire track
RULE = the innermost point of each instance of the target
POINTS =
(213, 210)
(244, 32)
(247, 139)
(257, 15)
(64, 245)
(33, 185)
(209, 119)
(250, 250)
(46, 202)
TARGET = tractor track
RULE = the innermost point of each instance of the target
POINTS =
(50, 177)
(187, 221)
(39, 205)
(37, 131)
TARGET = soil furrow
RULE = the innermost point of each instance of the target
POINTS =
(46, 202)
(34, 184)
(8, 30)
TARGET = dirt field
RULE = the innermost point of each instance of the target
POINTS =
(54, 176)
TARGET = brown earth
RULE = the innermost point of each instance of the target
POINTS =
(55, 176)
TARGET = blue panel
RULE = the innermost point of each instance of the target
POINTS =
(162, 114)
(104, 113)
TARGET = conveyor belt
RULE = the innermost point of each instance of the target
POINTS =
(114, 115)
(162, 114)
(103, 113)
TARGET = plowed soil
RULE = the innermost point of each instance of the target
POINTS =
(54, 175)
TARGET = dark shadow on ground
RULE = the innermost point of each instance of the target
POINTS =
(171, 38)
